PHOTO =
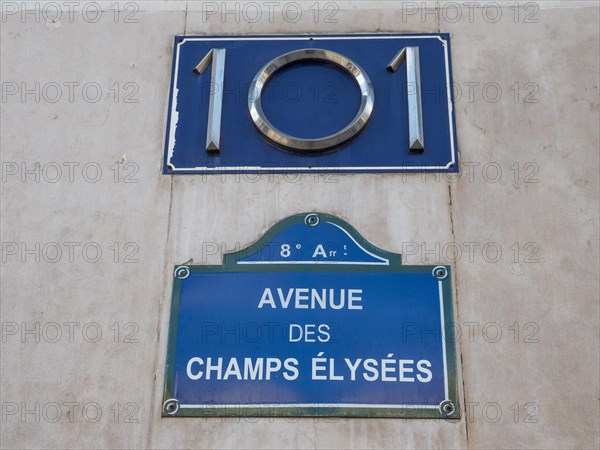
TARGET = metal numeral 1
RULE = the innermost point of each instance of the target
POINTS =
(413, 78)
(216, 57)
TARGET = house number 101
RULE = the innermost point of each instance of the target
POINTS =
(216, 59)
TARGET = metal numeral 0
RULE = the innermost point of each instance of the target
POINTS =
(310, 146)
(216, 57)
(413, 78)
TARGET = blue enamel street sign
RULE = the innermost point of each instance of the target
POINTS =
(311, 103)
(311, 320)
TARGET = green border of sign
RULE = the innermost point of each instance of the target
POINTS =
(170, 407)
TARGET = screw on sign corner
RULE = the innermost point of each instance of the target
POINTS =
(440, 272)
(447, 408)
(171, 407)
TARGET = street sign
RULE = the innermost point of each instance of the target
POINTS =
(312, 320)
(311, 103)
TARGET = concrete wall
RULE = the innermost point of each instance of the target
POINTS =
(534, 386)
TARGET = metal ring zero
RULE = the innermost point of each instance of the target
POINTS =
(299, 145)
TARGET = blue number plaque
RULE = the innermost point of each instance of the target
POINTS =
(311, 103)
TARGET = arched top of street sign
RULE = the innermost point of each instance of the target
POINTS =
(313, 239)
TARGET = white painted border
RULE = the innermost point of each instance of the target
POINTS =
(350, 405)
(307, 405)
(384, 261)
(443, 331)
(224, 169)
(350, 263)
